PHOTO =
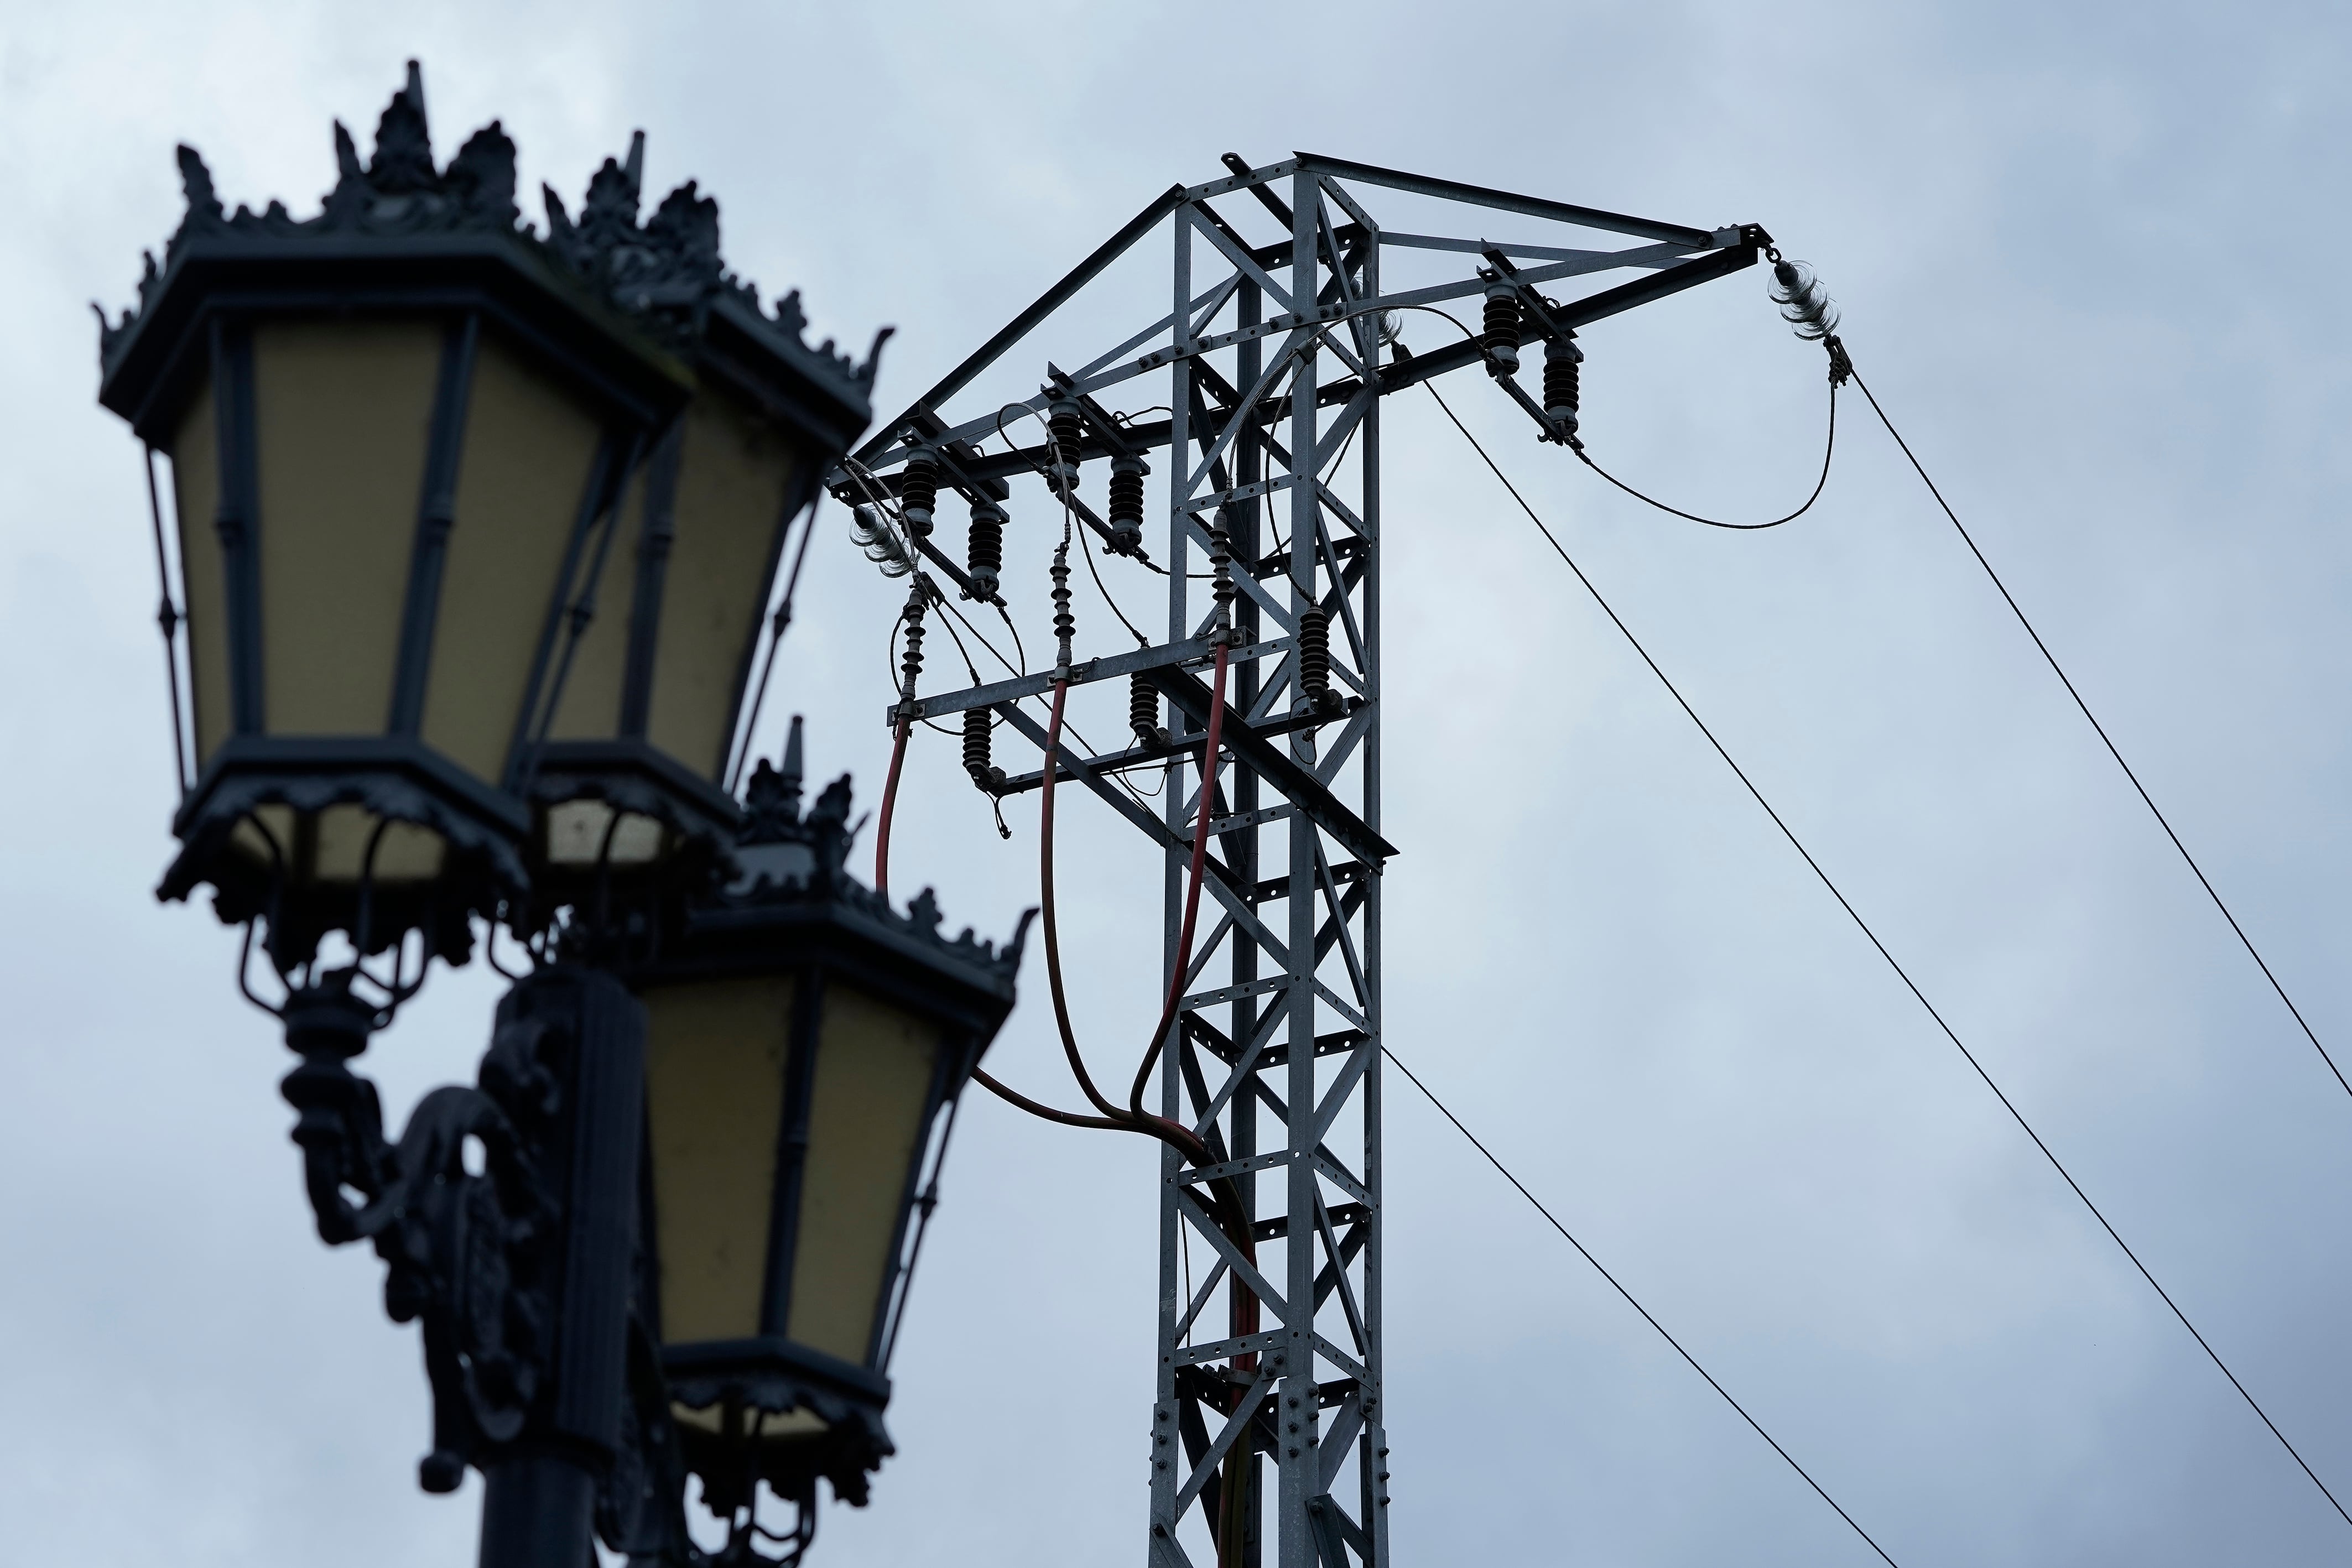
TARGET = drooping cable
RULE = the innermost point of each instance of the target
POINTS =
(1036, 1108)
(1839, 370)
(890, 802)
(1806, 307)
(1829, 450)
(1225, 1204)
(1092, 570)
(1182, 1138)
(2104, 739)
(1050, 913)
(882, 885)
(1598, 1267)
(1182, 970)
(1900, 972)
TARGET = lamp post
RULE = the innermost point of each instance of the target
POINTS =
(477, 534)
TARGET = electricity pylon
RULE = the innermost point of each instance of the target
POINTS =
(1275, 356)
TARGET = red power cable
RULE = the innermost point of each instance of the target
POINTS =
(889, 803)
(1193, 892)
(1223, 1197)
(1182, 1137)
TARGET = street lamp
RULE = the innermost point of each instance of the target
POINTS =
(475, 527)
(477, 534)
(804, 1051)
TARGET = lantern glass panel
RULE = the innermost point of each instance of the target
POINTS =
(589, 705)
(875, 1067)
(342, 410)
(333, 845)
(767, 1425)
(204, 574)
(583, 833)
(530, 453)
(720, 1067)
(715, 1060)
(734, 482)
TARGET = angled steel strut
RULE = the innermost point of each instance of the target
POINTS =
(1268, 1425)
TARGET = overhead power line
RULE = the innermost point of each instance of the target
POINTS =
(1900, 972)
(1598, 1267)
(2104, 739)
(1829, 451)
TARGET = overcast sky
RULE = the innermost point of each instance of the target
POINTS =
(2090, 258)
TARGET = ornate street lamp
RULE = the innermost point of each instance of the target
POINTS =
(475, 527)
(476, 534)
(805, 1049)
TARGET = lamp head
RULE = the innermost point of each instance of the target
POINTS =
(475, 531)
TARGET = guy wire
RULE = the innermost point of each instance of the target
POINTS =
(1443, 1110)
(2104, 739)
(1900, 973)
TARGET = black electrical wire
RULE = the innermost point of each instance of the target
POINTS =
(1019, 652)
(961, 652)
(1068, 521)
(944, 603)
(976, 637)
(1829, 449)
(1600, 1269)
(1141, 640)
(1900, 973)
(2104, 739)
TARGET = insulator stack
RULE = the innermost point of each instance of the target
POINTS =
(1067, 427)
(1314, 658)
(1220, 568)
(879, 540)
(1501, 337)
(1065, 625)
(918, 492)
(984, 549)
(1143, 709)
(1127, 504)
(1804, 303)
(978, 734)
(1562, 358)
(910, 662)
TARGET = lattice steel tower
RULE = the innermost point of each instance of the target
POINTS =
(1268, 1425)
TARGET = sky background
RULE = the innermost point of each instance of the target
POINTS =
(2088, 257)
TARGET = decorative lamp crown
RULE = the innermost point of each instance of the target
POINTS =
(475, 532)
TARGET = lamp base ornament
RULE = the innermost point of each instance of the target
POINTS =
(506, 1216)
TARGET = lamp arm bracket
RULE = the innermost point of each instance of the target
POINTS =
(459, 1209)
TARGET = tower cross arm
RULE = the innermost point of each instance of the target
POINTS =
(1301, 787)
